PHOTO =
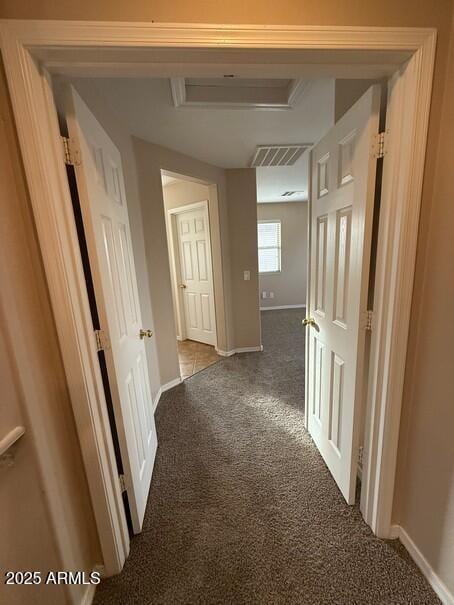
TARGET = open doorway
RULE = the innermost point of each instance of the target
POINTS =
(50, 193)
(268, 215)
(187, 211)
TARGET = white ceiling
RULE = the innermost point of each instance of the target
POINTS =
(224, 137)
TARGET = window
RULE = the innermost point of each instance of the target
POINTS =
(269, 244)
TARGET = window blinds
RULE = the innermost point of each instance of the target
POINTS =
(269, 246)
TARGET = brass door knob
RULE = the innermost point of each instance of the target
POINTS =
(310, 322)
(182, 285)
(145, 334)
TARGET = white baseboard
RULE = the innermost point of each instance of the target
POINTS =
(239, 350)
(165, 387)
(440, 588)
(282, 307)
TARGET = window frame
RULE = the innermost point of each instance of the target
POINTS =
(279, 222)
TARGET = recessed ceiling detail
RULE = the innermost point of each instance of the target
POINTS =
(278, 155)
(231, 92)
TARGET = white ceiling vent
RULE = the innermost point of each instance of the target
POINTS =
(290, 193)
(278, 155)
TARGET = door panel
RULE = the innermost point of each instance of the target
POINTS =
(343, 188)
(106, 223)
(197, 279)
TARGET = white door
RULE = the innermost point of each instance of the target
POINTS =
(342, 203)
(196, 275)
(106, 224)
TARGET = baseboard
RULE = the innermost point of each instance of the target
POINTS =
(239, 350)
(440, 588)
(249, 349)
(224, 353)
(166, 387)
(282, 307)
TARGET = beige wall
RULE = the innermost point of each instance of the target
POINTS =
(347, 92)
(150, 160)
(427, 418)
(27, 533)
(289, 286)
(426, 465)
(242, 213)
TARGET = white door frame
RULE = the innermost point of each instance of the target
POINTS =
(75, 46)
(175, 267)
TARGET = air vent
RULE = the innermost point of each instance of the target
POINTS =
(278, 155)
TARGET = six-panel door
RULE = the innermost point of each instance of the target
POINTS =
(106, 224)
(196, 275)
(342, 198)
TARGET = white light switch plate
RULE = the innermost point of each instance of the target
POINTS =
(247, 275)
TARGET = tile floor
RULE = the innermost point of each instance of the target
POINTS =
(195, 356)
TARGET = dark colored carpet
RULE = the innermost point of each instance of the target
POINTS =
(242, 509)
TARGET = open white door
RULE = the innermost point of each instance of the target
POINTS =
(196, 275)
(105, 215)
(342, 204)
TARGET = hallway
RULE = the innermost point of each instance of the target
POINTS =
(242, 509)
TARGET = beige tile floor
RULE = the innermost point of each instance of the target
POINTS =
(195, 356)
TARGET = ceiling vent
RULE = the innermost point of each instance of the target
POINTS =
(278, 155)
(290, 193)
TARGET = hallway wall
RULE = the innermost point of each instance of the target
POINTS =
(242, 197)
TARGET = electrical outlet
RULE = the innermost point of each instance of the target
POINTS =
(271, 294)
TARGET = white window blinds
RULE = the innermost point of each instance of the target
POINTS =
(269, 246)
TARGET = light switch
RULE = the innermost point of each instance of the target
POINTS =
(271, 294)
(263, 294)
(247, 275)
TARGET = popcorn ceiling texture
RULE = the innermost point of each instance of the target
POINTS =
(242, 509)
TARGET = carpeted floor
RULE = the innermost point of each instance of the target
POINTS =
(242, 509)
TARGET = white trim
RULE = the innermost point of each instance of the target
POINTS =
(403, 168)
(440, 588)
(166, 387)
(89, 595)
(297, 88)
(282, 307)
(257, 349)
(59, 43)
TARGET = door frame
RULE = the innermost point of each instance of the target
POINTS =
(29, 48)
(175, 265)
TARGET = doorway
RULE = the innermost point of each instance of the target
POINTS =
(189, 240)
(402, 191)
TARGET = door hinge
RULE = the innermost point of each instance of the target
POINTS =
(122, 482)
(369, 319)
(102, 342)
(380, 144)
(71, 153)
(360, 455)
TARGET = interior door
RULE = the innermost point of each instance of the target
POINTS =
(105, 215)
(342, 202)
(196, 275)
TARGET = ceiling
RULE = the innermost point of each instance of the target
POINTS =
(226, 136)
